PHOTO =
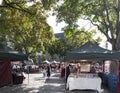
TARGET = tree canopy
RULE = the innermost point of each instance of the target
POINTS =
(25, 25)
(104, 14)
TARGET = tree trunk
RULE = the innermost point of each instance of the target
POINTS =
(114, 45)
(118, 28)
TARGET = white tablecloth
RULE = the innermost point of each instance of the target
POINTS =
(84, 83)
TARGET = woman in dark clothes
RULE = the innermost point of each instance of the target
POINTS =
(48, 71)
(67, 71)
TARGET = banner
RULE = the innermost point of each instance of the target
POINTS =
(5, 72)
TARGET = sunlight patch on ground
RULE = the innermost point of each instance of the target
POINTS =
(56, 85)
(33, 91)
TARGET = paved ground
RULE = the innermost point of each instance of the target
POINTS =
(38, 84)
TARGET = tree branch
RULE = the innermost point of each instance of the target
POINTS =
(105, 33)
(107, 13)
(18, 7)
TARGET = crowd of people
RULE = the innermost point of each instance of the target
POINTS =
(46, 69)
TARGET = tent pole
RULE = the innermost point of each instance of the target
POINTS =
(103, 66)
(28, 75)
(65, 77)
(11, 74)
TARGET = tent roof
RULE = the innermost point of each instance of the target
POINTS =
(55, 62)
(45, 62)
(7, 52)
(90, 51)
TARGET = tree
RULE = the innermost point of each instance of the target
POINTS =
(23, 5)
(104, 14)
(76, 37)
(27, 32)
(72, 40)
(57, 47)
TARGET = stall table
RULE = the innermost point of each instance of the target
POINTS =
(17, 79)
(84, 82)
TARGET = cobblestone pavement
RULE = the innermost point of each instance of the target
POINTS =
(36, 83)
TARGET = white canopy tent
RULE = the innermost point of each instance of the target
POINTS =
(45, 62)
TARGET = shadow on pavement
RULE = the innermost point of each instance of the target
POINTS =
(54, 84)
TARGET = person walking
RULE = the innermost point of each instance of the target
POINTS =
(48, 71)
(62, 71)
(67, 71)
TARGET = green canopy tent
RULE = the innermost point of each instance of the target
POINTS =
(90, 51)
(7, 55)
(7, 52)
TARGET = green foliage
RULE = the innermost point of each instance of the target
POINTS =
(104, 14)
(76, 37)
(57, 47)
(27, 32)
(47, 4)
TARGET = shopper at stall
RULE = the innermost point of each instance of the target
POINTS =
(92, 69)
(62, 71)
(78, 68)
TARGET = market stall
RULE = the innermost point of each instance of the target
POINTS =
(7, 55)
(82, 78)
(92, 53)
